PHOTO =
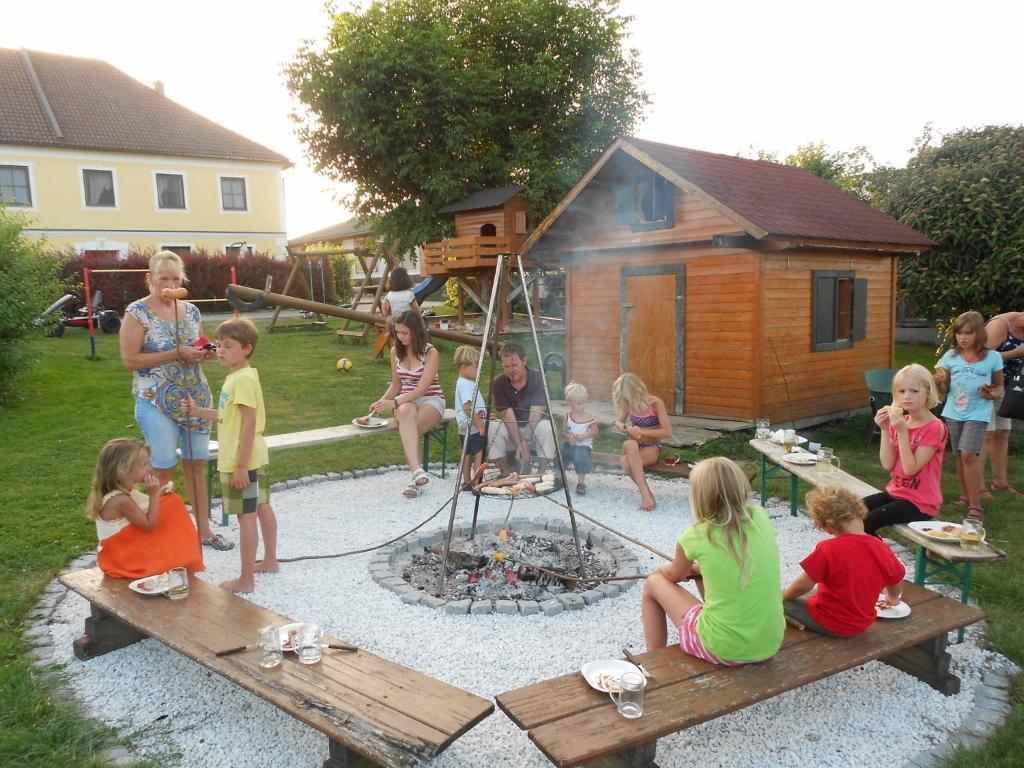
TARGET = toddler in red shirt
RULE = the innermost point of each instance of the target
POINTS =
(850, 569)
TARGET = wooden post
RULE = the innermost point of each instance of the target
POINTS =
(461, 298)
(104, 633)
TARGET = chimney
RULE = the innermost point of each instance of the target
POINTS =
(158, 86)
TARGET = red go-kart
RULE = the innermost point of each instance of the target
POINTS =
(72, 311)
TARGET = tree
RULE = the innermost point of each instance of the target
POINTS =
(419, 102)
(29, 283)
(848, 170)
(967, 194)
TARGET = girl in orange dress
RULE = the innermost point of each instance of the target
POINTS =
(140, 534)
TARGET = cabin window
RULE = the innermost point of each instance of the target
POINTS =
(645, 204)
(99, 188)
(839, 312)
(233, 194)
(488, 230)
(15, 187)
(170, 191)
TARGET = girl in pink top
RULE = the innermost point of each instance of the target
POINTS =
(913, 442)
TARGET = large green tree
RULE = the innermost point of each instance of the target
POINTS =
(418, 102)
(846, 169)
(967, 194)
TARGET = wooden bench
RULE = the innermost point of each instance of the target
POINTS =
(573, 724)
(373, 711)
(325, 435)
(932, 558)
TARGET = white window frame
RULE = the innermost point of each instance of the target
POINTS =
(156, 191)
(220, 193)
(31, 185)
(81, 186)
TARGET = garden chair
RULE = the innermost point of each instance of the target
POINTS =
(879, 384)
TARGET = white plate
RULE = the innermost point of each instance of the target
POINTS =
(593, 671)
(900, 611)
(800, 457)
(933, 529)
(799, 440)
(374, 423)
(150, 585)
(287, 632)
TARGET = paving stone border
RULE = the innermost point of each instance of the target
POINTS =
(385, 569)
(991, 696)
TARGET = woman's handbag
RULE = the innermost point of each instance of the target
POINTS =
(1013, 397)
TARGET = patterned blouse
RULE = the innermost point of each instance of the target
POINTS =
(645, 420)
(164, 385)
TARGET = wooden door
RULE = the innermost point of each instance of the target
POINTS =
(651, 343)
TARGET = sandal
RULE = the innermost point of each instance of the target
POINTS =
(219, 543)
(581, 489)
(996, 489)
(960, 501)
(419, 477)
(977, 513)
(411, 491)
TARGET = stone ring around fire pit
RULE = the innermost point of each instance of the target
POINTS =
(496, 572)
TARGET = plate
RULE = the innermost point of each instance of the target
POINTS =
(939, 530)
(779, 441)
(800, 457)
(375, 422)
(597, 672)
(900, 611)
(288, 632)
(150, 585)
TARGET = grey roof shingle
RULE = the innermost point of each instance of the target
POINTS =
(98, 107)
(484, 198)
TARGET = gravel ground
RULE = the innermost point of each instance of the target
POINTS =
(167, 706)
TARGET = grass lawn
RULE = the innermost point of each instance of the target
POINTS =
(72, 405)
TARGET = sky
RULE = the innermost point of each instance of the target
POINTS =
(723, 75)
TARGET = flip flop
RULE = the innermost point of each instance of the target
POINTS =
(1008, 489)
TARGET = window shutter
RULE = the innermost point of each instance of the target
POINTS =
(665, 194)
(823, 312)
(860, 308)
(625, 204)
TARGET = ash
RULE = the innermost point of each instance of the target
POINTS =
(500, 566)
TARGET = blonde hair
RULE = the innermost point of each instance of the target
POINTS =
(113, 467)
(167, 258)
(240, 329)
(970, 321)
(832, 507)
(576, 393)
(719, 493)
(466, 355)
(921, 376)
(629, 393)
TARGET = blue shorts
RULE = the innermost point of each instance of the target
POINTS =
(475, 444)
(162, 434)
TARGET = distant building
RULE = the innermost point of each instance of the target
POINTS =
(102, 164)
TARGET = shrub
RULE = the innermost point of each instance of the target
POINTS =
(29, 283)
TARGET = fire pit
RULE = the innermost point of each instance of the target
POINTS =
(525, 567)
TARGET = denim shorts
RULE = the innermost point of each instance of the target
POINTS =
(475, 444)
(966, 436)
(162, 434)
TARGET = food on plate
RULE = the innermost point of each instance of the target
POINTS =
(884, 604)
(363, 420)
(608, 681)
(945, 532)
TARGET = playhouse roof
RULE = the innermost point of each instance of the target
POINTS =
(762, 198)
(47, 99)
(484, 198)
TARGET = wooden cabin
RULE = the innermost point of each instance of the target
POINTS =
(735, 288)
(487, 223)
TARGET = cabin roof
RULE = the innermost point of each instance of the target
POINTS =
(484, 198)
(763, 198)
(52, 100)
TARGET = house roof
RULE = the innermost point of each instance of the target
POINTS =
(349, 228)
(764, 199)
(51, 100)
(484, 198)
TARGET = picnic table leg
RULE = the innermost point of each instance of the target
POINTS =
(921, 577)
(965, 592)
(340, 756)
(764, 480)
(929, 663)
(104, 633)
(794, 502)
(634, 757)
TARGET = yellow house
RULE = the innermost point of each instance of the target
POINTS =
(102, 163)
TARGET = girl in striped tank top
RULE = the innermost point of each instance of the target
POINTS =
(644, 418)
(414, 393)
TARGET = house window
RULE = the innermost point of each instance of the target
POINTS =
(232, 194)
(181, 250)
(15, 189)
(839, 312)
(99, 188)
(170, 191)
(646, 204)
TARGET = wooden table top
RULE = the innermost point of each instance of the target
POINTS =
(389, 713)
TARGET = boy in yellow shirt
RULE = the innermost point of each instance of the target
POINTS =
(242, 453)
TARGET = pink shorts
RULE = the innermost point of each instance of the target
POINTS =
(690, 641)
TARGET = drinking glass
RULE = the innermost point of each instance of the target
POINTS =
(630, 698)
(972, 535)
(763, 429)
(177, 583)
(270, 647)
(789, 440)
(827, 460)
(309, 644)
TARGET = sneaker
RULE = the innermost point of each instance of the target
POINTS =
(581, 489)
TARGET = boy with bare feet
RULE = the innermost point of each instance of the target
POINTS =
(242, 458)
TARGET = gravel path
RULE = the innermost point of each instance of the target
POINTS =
(166, 706)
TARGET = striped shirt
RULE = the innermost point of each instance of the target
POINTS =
(410, 377)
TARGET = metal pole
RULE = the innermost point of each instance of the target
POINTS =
(88, 313)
